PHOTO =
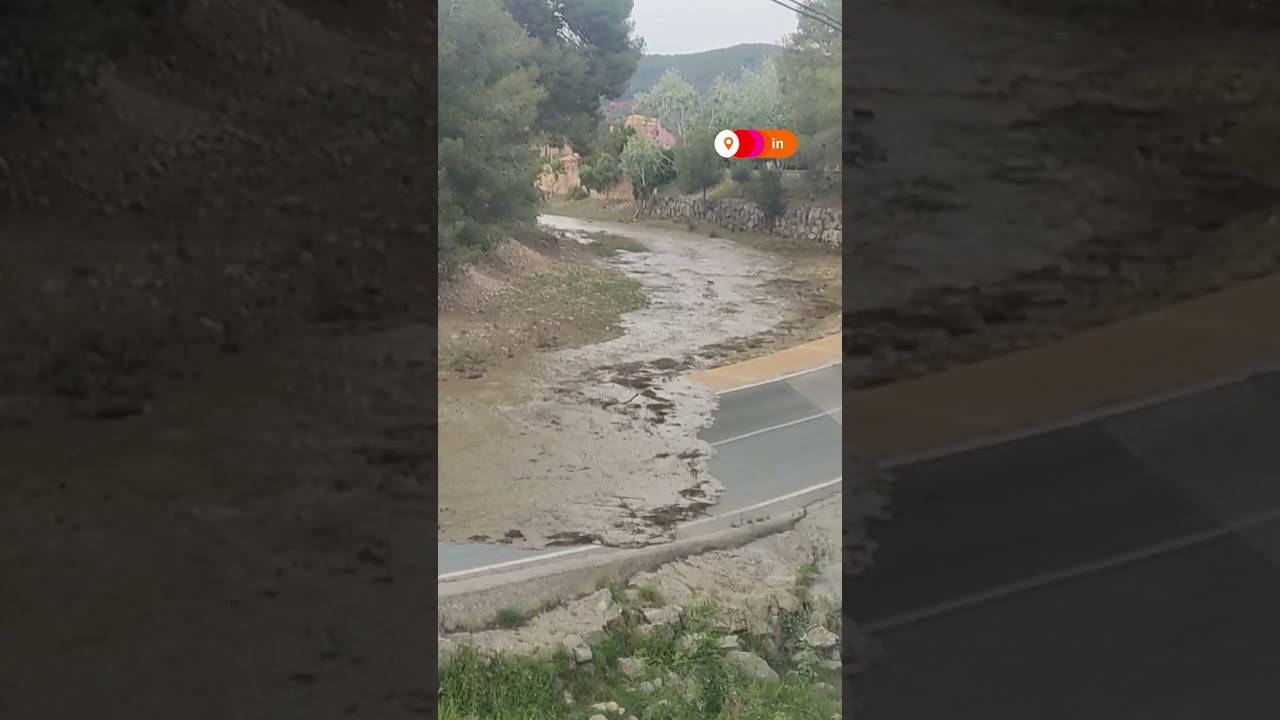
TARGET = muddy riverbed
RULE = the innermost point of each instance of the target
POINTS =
(599, 443)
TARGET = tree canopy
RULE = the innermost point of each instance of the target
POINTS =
(810, 79)
(587, 50)
(489, 98)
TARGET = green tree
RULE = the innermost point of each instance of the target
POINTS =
(587, 50)
(810, 74)
(741, 172)
(754, 100)
(673, 101)
(698, 165)
(488, 101)
(648, 166)
(768, 194)
(601, 174)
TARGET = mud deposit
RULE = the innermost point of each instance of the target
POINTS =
(600, 445)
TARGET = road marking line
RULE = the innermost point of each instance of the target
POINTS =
(1103, 413)
(765, 503)
(586, 548)
(771, 428)
(780, 378)
(516, 563)
(1053, 578)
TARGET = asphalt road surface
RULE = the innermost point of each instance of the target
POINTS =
(769, 440)
(1124, 569)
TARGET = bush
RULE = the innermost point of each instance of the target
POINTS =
(767, 193)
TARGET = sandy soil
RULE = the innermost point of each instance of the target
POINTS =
(600, 441)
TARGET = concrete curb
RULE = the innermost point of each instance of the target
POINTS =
(470, 603)
(761, 512)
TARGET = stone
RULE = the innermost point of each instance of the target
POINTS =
(598, 717)
(630, 667)
(582, 654)
(729, 642)
(664, 615)
(754, 665)
(821, 638)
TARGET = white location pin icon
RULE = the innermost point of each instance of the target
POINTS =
(726, 143)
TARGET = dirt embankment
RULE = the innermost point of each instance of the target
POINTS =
(215, 323)
(247, 171)
(1040, 167)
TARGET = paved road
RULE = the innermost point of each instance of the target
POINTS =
(1125, 569)
(770, 440)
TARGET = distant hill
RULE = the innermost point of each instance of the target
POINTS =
(700, 69)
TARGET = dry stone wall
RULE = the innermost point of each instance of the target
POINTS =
(812, 224)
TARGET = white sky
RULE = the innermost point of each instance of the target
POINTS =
(686, 26)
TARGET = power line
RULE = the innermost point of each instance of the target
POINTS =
(808, 12)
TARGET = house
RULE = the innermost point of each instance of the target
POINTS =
(652, 129)
(618, 111)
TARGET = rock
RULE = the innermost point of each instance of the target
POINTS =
(669, 615)
(578, 648)
(754, 665)
(649, 686)
(831, 665)
(729, 642)
(821, 638)
(598, 717)
(689, 642)
(630, 667)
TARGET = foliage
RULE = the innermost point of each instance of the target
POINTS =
(741, 171)
(50, 50)
(488, 99)
(587, 50)
(810, 74)
(648, 166)
(700, 69)
(673, 101)
(698, 681)
(698, 165)
(603, 172)
(754, 100)
(767, 192)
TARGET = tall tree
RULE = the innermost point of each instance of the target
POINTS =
(698, 164)
(488, 100)
(672, 100)
(810, 75)
(648, 167)
(587, 50)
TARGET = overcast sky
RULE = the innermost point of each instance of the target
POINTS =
(686, 26)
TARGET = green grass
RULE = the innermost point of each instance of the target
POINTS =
(699, 681)
(607, 244)
(509, 617)
(648, 592)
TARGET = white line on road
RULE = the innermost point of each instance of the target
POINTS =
(779, 426)
(1103, 413)
(585, 548)
(1053, 578)
(780, 378)
(516, 563)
